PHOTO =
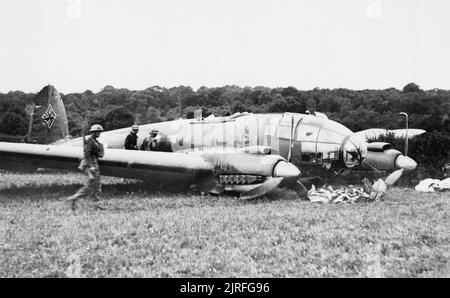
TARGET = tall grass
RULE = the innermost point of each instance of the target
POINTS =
(155, 234)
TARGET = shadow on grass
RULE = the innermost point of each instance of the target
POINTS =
(56, 191)
(50, 190)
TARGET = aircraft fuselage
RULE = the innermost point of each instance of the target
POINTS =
(301, 139)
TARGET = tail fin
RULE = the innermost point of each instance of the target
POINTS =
(48, 122)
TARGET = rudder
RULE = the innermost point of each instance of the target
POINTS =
(49, 121)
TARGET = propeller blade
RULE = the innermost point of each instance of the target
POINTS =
(300, 186)
(393, 177)
(301, 190)
(261, 190)
(405, 162)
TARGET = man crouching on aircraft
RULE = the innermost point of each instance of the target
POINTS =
(93, 150)
(150, 142)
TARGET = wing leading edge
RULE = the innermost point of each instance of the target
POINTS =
(116, 163)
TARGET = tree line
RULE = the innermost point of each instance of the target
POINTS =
(357, 109)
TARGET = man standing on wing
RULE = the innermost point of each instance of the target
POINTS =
(131, 139)
(93, 150)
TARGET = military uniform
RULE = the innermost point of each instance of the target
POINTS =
(93, 150)
(131, 139)
(131, 142)
(149, 144)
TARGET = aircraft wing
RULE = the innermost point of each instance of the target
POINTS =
(252, 175)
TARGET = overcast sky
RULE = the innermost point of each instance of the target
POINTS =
(77, 45)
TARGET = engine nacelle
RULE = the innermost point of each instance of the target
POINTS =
(388, 160)
(379, 146)
(382, 161)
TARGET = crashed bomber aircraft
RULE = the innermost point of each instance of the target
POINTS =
(249, 154)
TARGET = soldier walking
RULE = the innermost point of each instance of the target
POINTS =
(93, 150)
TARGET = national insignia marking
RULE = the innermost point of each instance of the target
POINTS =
(49, 117)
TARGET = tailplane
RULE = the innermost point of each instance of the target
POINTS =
(48, 121)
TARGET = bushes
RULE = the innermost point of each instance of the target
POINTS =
(431, 151)
(11, 139)
(12, 123)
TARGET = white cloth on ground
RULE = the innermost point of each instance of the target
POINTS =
(428, 185)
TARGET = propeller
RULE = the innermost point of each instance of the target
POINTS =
(402, 163)
(394, 177)
(301, 190)
(379, 188)
(300, 186)
(262, 189)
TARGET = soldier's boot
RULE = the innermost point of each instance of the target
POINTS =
(99, 207)
(95, 198)
(72, 201)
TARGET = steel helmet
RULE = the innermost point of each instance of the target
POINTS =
(135, 128)
(154, 131)
(96, 128)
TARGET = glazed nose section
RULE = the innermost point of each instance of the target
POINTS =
(285, 169)
(354, 151)
(405, 162)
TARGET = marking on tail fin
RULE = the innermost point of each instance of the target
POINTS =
(49, 117)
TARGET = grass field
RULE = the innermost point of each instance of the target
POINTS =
(145, 234)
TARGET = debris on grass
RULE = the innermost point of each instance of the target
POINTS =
(432, 185)
(350, 194)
